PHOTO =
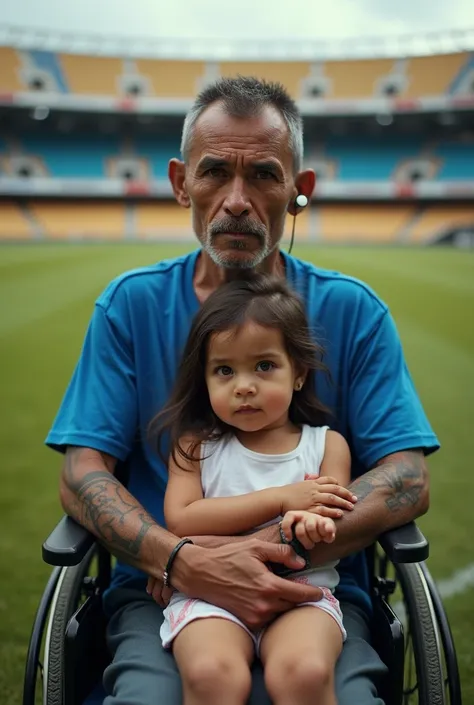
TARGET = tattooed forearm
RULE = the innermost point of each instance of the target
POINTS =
(92, 495)
(389, 495)
(402, 477)
(105, 508)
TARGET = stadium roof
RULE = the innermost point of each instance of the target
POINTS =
(210, 49)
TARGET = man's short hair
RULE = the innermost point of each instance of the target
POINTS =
(246, 96)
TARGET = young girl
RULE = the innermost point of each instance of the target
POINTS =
(246, 430)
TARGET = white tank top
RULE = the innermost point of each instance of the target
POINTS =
(229, 469)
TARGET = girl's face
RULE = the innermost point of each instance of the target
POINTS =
(250, 377)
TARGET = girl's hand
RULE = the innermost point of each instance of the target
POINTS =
(323, 496)
(310, 528)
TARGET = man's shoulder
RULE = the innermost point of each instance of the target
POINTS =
(320, 284)
(164, 278)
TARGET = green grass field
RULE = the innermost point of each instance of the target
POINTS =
(47, 293)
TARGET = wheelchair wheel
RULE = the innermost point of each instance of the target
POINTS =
(67, 598)
(422, 640)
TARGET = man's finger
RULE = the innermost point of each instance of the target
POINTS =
(294, 592)
(166, 593)
(279, 553)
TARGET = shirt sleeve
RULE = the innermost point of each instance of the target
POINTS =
(385, 411)
(99, 408)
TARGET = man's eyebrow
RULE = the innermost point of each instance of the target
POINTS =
(269, 165)
(211, 163)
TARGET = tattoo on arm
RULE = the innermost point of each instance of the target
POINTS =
(403, 477)
(105, 507)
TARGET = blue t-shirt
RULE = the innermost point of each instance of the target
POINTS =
(129, 361)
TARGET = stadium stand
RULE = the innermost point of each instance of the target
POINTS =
(435, 220)
(291, 74)
(77, 156)
(374, 183)
(457, 159)
(359, 159)
(355, 79)
(432, 75)
(171, 79)
(352, 159)
(84, 219)
(362, 222)
(10, 71)
(107, 76)
(158, 153)
(162, 220)
(90, 75)
(13, 224)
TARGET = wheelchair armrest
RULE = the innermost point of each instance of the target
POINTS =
(405, 544)
(67, 544)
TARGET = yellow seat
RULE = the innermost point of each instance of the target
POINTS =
(92, 75)
(432, 75)
(437, 219)
(172, 79)
(10, 66)
(289, 73)
(362, 223)
(13, 225)
(166, 219)
(355, 79)
(80, 219)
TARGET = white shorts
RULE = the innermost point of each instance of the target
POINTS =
(183, 610)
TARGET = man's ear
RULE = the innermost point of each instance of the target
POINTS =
(304, 183)
(177, 177)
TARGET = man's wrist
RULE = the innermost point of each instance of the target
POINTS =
(185, 564)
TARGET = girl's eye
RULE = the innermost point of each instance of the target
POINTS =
(265, 366)
(224, 370)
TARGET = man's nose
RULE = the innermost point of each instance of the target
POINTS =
(237, 201)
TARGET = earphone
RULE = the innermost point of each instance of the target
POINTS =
(301, 201)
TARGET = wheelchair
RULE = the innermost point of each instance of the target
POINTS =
(410, 630)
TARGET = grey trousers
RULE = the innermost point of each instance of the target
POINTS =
(143, 673)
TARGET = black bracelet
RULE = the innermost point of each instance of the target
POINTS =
(173, 554)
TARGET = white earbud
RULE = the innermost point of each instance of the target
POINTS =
(301, 201)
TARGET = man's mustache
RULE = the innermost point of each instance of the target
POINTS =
(237, 225)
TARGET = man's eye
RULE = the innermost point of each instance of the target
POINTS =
(265, 366)
(215, 173)
(264, 175)
(224, 370)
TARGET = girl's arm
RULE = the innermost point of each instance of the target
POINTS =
(337, 459)
(187, 513)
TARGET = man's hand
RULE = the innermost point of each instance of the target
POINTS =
(314, 495)
(160, 593)
(236, 578)
(309, 528)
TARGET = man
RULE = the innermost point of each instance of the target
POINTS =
(241, 174)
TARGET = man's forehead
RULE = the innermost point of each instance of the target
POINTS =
(216, 130)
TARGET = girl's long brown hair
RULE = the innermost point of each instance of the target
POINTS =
(267, 301)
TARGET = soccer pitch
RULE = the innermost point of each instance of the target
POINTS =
(47, 293)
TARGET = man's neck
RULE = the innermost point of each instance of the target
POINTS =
(208, 276)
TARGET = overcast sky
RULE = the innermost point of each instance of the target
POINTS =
(241, 19)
